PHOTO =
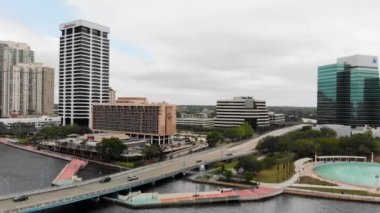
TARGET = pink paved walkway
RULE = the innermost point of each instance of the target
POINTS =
(68, 172)
(244, 194)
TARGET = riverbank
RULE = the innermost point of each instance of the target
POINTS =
(329, 195)
(139, 200)
(291, 186)
(67, 175)
(29, 148)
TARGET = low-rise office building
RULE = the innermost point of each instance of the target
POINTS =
(38, 122)
(155, 122)
(276, 118)
(232, 113)
(199, 119)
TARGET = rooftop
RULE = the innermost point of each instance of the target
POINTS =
(85, 23)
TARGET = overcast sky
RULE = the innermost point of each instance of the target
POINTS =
(198, 51)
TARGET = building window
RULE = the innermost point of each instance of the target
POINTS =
(82, 29)
(95, 32)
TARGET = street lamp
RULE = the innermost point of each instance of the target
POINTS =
(377, 179)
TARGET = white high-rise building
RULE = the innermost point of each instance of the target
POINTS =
(83, 70)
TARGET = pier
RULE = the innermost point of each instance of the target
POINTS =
(68, 173)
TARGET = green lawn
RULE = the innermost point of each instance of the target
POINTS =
(273, 175)
(227, 166)
(314, 181)
(339, 191)
(125, 164)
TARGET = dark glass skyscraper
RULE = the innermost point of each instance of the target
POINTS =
(349, 92)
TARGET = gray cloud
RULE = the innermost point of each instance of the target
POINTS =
(204, 50)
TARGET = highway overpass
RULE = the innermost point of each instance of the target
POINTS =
(58, 196)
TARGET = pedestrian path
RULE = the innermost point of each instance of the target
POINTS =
(68, 173)
(147, 200)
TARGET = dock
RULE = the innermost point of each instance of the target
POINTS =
(68, 173)
(156, 200)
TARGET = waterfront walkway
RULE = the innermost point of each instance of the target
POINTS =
(67, 174)
(30, 148)
(149, 200)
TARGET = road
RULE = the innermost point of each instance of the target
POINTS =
(92, 188)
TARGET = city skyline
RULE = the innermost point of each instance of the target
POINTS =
(182, 52)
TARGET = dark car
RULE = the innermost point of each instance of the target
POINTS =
(105, 180)
(20, 198)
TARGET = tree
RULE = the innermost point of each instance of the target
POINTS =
(22, 129)
(248, 176)
(50, 132)
(268, 144)
(328, 146)
(328, 132)
(213, 138)
(304, 147)
(247, 130)
(232, 133)
(249, 163)
(228, 174)
(351, 145)
(3, 129)
(111, 148)
(153, 151)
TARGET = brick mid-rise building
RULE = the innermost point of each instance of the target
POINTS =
(155, 122)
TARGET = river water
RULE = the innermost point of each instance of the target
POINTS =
(21, 171)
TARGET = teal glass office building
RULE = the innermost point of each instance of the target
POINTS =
(349, 92)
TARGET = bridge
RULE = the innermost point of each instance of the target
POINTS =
(63, 195)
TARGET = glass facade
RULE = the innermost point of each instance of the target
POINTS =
(348, 95)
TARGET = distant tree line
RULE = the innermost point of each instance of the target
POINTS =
(191, 128)
(307, 142)
(29, 133)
